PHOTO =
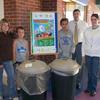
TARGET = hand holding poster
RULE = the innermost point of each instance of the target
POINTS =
(44, 32)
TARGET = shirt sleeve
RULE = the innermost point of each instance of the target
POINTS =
(83, 45)
(72, 43)
(59, 46)
(12, 35)
(0, 50)
(0, 63)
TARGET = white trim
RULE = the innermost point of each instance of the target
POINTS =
(67, 0)
(80, 2)
(1, 9)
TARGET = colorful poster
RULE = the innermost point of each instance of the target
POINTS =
(44, 32)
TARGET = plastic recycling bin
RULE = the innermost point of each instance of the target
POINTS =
(63, 78)
(33, 77)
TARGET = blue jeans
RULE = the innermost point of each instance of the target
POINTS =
(8, 66)
(92, 65)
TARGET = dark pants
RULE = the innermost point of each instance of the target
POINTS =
(15, 65)
(92, 64)
(78, 57)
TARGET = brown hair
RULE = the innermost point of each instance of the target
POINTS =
(63, 19)
(19, 27)
(76, 10)
(95, 15)
(4, 21)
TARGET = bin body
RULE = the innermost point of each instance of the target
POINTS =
(63, 87)
(63, 79)
(33, 78)
(26, 96)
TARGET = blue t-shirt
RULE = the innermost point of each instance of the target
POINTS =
(21, 50)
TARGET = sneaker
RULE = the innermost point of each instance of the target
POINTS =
(86, 91)
(78, 86)
(15, 98)
(1, 98)
(19, 91)
(93, 93)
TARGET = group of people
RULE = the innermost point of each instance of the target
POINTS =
(76, 40)
(13, 49)
(81, 43)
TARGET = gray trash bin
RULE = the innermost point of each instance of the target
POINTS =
(63, 78)
(33, 77)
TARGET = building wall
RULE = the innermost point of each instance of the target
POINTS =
(52, 5)
(92, 8)
(49, 5)
(18, 13)
(56, 6)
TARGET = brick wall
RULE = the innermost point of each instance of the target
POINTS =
(18, 13)
(53, 5)
(92, 8)
(49, 5)
(60, 11)
(10, 11)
